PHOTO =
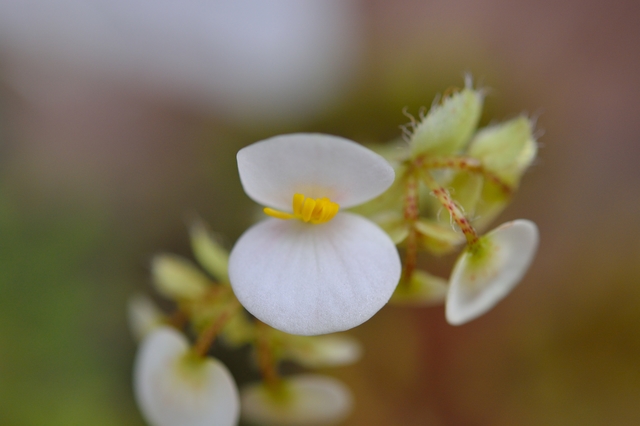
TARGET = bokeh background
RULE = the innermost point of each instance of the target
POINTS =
(120, 119)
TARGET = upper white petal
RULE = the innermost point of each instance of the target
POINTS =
(314, 279)
(475, 289)
(315, 165)
(312, 400)
(172, 392)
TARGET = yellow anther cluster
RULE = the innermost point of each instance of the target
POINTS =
(312, 210)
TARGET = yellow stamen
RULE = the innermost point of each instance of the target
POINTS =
(311, 210)
(278, 214)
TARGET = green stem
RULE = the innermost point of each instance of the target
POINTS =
(469, 164)
(208, 336)
(266, 360)
(448, 203)
(411, 214)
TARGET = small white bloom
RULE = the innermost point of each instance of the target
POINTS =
(328, 271)
(481, 278)
(302, 401)
(174, 387)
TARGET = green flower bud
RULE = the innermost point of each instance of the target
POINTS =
(210, 254)
(449, 125)
(177, 278)
(506, 149)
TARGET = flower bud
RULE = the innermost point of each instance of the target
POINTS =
(323, 351)
(177, 278)
(210, 254)
(449, 125)
(506, 149)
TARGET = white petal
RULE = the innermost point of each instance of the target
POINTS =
(310, 400)
(314, 279)
(315, 165)
(173, 389)
(478, 285)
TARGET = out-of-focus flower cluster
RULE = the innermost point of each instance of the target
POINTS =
(312, 268)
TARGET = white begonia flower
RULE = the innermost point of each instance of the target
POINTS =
(305, 400)
(323, 271)
(485, 275)
(175, 387)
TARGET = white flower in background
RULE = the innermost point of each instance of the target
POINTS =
(484, 275)
(311, 269)
(175, 387)
(247, 58)
(299, 401)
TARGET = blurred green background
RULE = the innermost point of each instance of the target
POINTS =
(99, 171)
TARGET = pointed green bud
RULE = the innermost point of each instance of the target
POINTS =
(437, 238)
(210, 254)
(332, 350)
(423, 289)
(449, 125)
(493, 201)
(506, 149)
(178, 278)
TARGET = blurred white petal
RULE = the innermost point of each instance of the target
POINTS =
(308, 400)
(315, 165)
(175, 389)
(314, 279)
(251, 59)
(477, 284)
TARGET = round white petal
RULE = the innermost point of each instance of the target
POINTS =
(315, 165)
(475, 289)
(310, 400)
(314, 279)
(172, 390)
